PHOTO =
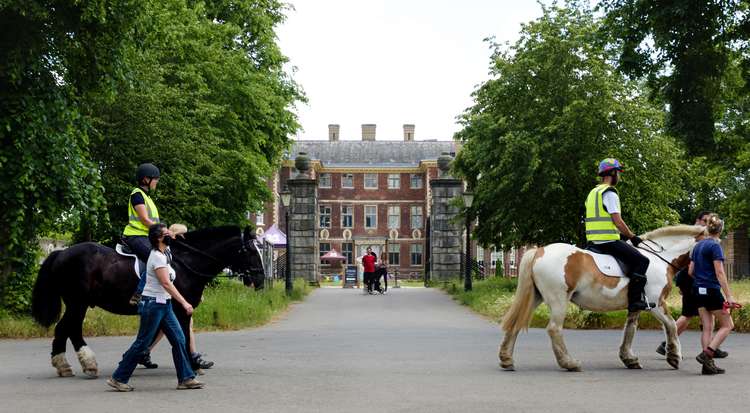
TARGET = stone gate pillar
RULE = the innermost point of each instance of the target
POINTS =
(445, 232)
(303, 236)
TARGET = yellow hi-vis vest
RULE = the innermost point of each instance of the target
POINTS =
(135, 226)
(599, 224)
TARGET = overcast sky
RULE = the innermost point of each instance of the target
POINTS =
(391, 62)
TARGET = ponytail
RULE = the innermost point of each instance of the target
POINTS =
(714, 224)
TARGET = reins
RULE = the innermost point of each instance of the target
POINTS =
(183, 244)
(650, 249)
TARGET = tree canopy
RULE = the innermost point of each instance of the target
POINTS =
(694, 57)
(552, 110)
(89, 89)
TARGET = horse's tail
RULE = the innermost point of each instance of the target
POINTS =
(519, 314)
(45, 299)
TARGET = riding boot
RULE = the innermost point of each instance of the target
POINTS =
(146, 361)
(636, 297)
(197, 362)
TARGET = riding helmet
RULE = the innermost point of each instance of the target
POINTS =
(146, 170)
(609, 164)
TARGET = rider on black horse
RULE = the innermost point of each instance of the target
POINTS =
(142, 213)
(604, 225)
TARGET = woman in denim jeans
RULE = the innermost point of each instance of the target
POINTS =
(156, 313)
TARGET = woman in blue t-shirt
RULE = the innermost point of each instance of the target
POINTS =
(707, 268)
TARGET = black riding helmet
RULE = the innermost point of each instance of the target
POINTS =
(146, 170)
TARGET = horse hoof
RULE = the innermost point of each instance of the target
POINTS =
(65, 373)
(574, 368)
(87, 358)
(507, 366)
(674, 361)
(633, 365)
(61, 365)
(91, 373)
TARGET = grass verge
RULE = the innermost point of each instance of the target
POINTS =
(228, 305)
(493, 296)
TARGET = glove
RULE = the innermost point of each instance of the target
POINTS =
(636, 240)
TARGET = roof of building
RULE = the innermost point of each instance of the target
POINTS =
(372, 153)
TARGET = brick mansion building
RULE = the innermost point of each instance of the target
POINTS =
(373, 194)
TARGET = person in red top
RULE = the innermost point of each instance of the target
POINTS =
(368, 262)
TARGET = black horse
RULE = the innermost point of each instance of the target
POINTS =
(89, 274)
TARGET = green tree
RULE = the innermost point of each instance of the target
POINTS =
(694, 56)
(52, 55)
(208, 102)
(554, 108)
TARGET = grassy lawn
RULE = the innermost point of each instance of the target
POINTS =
(493, 296)
(229, 305)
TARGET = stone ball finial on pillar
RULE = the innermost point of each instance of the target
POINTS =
(444, 164)
(302, 163)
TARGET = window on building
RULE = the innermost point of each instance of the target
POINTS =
(512, 258)
(259, 218)
(480, 255)
(347, 181)
(416, 217)
(324, 180)
(394, 181)
(347, 216)
(347, 250)
(394, 252)
(394, 217)
(325, 247)
(371, 216)
(371, 181)
(325, 216)
(416, 254)
(416, 181)
(496, 257)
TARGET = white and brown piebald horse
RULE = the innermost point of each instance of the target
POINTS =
(559, 273)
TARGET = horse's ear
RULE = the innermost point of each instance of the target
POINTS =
(248, 233)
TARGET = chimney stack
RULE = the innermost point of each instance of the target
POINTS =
(408, 132)
(368, 131)
(333, 132)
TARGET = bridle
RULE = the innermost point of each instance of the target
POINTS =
(652, 250)
(243, 250)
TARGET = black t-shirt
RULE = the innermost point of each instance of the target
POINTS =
(137, 199)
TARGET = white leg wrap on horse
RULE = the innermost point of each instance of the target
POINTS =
(87, 358)
(60, 363)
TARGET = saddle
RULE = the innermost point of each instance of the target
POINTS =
(607, 264)
(138, 266)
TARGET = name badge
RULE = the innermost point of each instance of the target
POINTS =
(702, 291)
(160, 299)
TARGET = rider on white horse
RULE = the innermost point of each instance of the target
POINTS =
(604, 225)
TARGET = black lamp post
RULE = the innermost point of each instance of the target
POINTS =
(286, 199)
(468, 199)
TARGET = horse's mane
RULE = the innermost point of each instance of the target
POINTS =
(212, 234)
(675, 230)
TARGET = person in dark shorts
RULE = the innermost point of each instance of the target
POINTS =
(689, 306)
(707, 268)
(381, 270)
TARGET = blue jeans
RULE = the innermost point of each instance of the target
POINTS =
(141, 283)
(155, 316)
(141, 247)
